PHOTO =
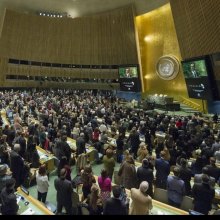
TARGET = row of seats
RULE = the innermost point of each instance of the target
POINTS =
(161, 196)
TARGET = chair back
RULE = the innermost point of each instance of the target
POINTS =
(160, 195)
(187, 203)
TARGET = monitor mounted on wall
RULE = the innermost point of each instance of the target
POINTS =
(199, 78)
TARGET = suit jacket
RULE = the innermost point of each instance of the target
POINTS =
(141, 204)
(198, 179)
(203, 195)
(114, 206)
(17, 167)
(146, 174)
(9, 203)
(81, 145)
(214, 172)
(162, 169)
(64, 191)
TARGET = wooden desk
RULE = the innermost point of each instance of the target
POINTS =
(46, 158)
(4, 117)
(34, 207)
(89, 149)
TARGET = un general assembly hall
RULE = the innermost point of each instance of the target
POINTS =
(109, 107)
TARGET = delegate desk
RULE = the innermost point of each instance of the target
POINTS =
(90, 150)
(29, 205)
(4, 118)
(46, 158)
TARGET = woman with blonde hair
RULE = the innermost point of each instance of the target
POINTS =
(142, 152)
(94, 201)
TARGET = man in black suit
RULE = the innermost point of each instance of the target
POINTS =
(8, 198)
(162, 171)
(203, 195)
(193, 72)
(64, 193)
(80, 144)
(213, 170)
(144, 173)
(17, 165)
(115, 206)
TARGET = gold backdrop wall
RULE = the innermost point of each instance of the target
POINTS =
(157, 37)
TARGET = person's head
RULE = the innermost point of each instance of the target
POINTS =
(64, 138)
(63, 173)
(104, 173)
(205, 179)
(17, 147)
(63, 161)
(142, 146)
(116, 190)
(144, 186)
(127, 72)
(88, 169)
(205, 170)
(145, 163)
(10, 184)
(3, 170)
(212, 161)
(183, 162)
(192, 66)
(109, 152)
(176, 171)
(42, 170)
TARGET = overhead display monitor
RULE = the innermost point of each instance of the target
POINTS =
(198, 76)
(129, 78)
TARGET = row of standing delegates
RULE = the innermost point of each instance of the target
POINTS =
(202, 192)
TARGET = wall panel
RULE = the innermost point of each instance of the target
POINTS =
(197, 24)
(106, 38)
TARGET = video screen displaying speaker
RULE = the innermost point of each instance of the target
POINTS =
(199, 78)
(129, 78)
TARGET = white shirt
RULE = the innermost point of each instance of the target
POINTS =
(42, 183)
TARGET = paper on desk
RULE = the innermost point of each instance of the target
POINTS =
(29, 211)
(18, 199)
(43, 157)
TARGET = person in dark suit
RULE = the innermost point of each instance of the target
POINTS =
(213, 170)
(64, 193)
(198, 177)
(162, 171)
(193, 73)
(17, 165)
(113, 205)
(8, 198)
(185, 174)
(80, 144)
(144, 173)
(203, 195)
(134, 141)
